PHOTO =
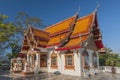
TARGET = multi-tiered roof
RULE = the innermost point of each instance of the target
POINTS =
(71, 33)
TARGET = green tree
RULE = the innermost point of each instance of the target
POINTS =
(15, 48)
(22, 21)
(7, 30)
(102, 60)
(103, 57)
(109, 58)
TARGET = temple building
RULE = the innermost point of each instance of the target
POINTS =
(71, 46)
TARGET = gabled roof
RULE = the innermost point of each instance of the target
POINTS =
(35, 38)
(80, 32)
(56, 40)
(60, 27)
(40, 33)
(76, 41)
(69, 33)
(60, 31)
(83, 29)
(83, 24)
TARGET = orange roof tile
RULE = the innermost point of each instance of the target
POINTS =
(61, 26)
(76, 41)
(44, 43)
(40, 33)
(56, 39)
(83, 24)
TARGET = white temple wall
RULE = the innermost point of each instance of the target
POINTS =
(77, 62)
(61, 64)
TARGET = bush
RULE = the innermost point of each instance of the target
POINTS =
(109, 59)
(118, 64)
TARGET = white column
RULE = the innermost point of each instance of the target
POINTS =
(97, 59)
(37, 63)
(33, 61)
(81, 64)
(48, 61)
(80, 54)
(90, 59)
(28, 58)
(39, 60)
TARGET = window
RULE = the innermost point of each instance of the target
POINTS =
(54, 60)
(69, 60)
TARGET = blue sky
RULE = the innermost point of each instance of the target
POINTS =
(52, 11)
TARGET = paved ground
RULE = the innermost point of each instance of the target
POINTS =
(49, 76)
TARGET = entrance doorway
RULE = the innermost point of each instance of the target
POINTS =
(43, 60)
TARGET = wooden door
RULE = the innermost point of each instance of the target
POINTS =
(43, 60)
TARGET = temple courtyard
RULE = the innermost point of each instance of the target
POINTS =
(5, 75)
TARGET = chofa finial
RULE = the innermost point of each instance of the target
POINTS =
(78, 10)
(96, 9)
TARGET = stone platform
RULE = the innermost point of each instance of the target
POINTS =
(49, 76)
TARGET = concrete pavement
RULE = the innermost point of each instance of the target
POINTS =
(49, 76)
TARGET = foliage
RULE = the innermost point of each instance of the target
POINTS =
(7, 30)
(102, 60)
(15, 48)
(117, 63)
(109, 58)
(9, 56)
(11, 33)
(22, 21)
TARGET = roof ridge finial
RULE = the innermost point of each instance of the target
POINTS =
(78, 10)
(96, 9)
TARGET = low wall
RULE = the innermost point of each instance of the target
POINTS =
(109, 69)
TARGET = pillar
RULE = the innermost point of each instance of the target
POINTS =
(33, 60)
(80, 54)
(97, 59)
(90, 59)
(81, 62)
(48, 61)
(37, 63)
(28, 58)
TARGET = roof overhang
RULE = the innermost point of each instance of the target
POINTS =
(67, 48)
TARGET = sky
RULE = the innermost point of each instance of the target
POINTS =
(53, 11)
